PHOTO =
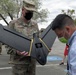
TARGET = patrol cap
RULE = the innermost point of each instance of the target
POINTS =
(29, 5)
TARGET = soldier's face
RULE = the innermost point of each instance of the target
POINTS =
(24, 11)
(27, 14)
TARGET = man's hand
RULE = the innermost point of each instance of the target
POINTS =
(23, 53)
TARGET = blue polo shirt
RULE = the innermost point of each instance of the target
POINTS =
(72, 54)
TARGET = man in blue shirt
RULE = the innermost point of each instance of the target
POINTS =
(64, 26)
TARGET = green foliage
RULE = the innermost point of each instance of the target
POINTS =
(12, 8)
(70, 13)
(42, 14)
(8, 6)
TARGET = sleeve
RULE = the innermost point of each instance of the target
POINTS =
(72, 59)
(34, 23)
(37, 27)
(11, 24)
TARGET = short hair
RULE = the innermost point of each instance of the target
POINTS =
(61, 20)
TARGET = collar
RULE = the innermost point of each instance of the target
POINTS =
(21, 22)
(71, 38)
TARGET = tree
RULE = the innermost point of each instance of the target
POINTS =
(70, 13)
(12, 8)
(42, 15)
(8, 7)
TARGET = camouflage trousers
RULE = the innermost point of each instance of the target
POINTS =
(23, 69)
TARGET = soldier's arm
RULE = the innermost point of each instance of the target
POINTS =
(11, 24)
(35, 25)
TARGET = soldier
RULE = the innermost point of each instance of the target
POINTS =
(26, 26)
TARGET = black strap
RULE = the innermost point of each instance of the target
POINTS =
(67, 66)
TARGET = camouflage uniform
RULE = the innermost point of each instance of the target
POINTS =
(25, 66)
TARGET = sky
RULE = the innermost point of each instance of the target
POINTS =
(55, 7)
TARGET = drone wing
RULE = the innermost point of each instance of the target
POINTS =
(48, 36)
(40, 46)
(14, 39)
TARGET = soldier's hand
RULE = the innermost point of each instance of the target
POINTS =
(24, 53)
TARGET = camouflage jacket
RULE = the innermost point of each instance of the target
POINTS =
(26, 29)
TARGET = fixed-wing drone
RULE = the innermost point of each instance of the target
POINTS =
(38, 47)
